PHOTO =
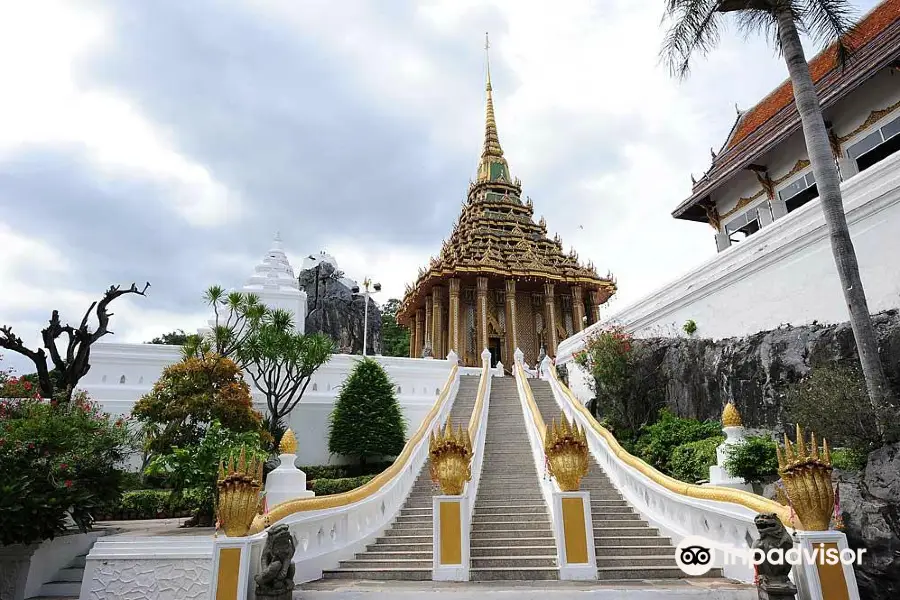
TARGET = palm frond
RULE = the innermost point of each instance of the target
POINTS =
(756, 21)
(830, 21)
(694, 30)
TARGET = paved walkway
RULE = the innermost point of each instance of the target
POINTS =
(152, 527)
(676, 589)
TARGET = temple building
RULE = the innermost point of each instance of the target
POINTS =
(762, 172)
(499, 282)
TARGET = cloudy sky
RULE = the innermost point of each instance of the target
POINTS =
(167, 141)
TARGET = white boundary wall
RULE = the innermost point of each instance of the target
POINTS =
(782, 274)
(121, 373)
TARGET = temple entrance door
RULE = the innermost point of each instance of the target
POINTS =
(494, 347)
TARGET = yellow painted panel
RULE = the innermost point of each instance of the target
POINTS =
(229, 570)
(451, 534)
(832, 579)
(573, 527)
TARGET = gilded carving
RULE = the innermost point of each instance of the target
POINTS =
(874, 117)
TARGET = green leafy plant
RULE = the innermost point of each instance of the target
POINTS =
(689, 327)
(189, 396)
(281, 362)
(235, 316)
(57, 459)
(366, 421)
(754, 459)
(196, 467)
(342, 471)
(394, 337)
(690, 462)
(833, 402)
(325, 487)
(658, 441)
(848, 459)
(626, 395)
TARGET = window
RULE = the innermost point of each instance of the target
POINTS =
(799, 192)
(743, 226)
(876, 146)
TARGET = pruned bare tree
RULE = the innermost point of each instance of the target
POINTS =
(73, 362)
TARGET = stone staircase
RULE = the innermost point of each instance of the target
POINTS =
(66, 583)
(626, 546)
(511, 536)
(405, 550)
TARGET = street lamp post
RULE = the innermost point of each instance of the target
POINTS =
(367, 283)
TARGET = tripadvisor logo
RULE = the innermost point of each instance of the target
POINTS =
(695, 555)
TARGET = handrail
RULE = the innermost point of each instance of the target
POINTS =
(291, 507)
(532, 405)
(705, 492)
(475, 419)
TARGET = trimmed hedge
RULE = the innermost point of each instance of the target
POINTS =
(690, 462)
(343, 471)
(151, 504)
(326, 487)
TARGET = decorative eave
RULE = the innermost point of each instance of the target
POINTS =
(775, 118)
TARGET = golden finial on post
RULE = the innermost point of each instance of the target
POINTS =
(731, 417)
(565, 445)
(806, 473)
(288, 443)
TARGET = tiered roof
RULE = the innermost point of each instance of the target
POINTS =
(496, 236)
(874, 42)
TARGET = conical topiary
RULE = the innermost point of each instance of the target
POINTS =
(366, 420)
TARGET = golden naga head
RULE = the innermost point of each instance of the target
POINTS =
(806, 473)
(239, 484)
(451, 457)
(565, 445)
(731, 417)
(288, 443)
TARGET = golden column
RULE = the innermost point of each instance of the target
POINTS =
(454, 318)
(595, 306)
(481, 327)
(511, 337)
(429, 323)
(419, 334)
(577, 308)
(550, 319)
(437, 314)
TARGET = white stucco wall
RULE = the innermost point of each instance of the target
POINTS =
(785, 273)
(121, 373)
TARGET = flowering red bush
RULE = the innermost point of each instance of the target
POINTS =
(57, 459)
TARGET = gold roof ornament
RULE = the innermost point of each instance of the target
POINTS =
(731, 417)
(288, 444)
(806, 473)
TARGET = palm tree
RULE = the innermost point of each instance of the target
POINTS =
(695, 28)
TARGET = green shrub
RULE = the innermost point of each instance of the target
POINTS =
(832, 401)
(754, 459)
(848, 459)
(690, 462)
(56, 459)
(342, 471)
(690, 327)
(325, 487)
(196, 467)
(658, 441)
(153, 504)
(366, 421)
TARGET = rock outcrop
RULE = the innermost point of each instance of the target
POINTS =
(335, 311)
(699, 375)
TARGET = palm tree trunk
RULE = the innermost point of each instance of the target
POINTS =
(828, 184)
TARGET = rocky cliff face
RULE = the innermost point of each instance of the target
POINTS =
(336, 312)
(699, 376)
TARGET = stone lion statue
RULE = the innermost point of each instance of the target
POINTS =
(773, 579)
(275, 580)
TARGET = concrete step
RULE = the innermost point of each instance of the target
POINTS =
(393, 563)
(509, 511)
(649, 561)
(380, 574)
(602, 542)
(516, 574)
(619, 521)
(378, 554)
(608, 532)
(61, 588)
(548, 549)
(70, 574)
(405, 540)
(493, 534)
(617, 551)
(537, 521)
(515, 562)
(543, 538)
(606, 573)
(79, 561)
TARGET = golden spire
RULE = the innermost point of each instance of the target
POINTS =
(493, 166)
